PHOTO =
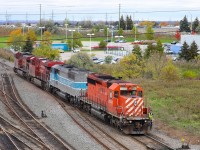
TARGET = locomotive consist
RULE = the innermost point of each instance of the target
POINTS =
(115, 101)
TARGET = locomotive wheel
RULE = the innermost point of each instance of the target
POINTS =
(24, 74)
(44, 85)
(15, 70)
(68, 98)
(51, 89)
(107, 119)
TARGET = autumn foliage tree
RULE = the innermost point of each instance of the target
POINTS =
(129, 67)
(46, 51)
(76, 41)
(30, 39)
(46, 38)
(31, 35)
(81, 60)
(147, 23)
(164, 24)
(16, 39)
(178, 35)
(149, 33)
(135, 32)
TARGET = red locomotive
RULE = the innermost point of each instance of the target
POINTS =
(33, 67)
(119, 102)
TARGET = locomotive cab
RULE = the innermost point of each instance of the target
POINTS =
(126, 102)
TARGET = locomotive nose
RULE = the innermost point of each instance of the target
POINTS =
(133, 107)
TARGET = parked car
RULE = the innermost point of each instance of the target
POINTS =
(61, 51)
(94, 58)
(169, 52)
(137, 42)
(116, 59)
(107, 40)
(120, 41)
(174, 42)
(76, 50)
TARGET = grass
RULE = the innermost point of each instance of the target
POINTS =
(175, 103)
(3, 41)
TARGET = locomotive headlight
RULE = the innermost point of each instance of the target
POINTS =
(135, 102)
(130, 121)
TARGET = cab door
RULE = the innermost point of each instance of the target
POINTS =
(113, 98)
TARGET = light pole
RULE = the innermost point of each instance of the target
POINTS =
(28, 27)
(41, 32)
(134, 24)
(135, 32)
(112, 33)
(120, 36)
(66, 30)
(23, 29)
(107, 41)
(78, 28)
(191, 22)
(72, 46)
(90, 34)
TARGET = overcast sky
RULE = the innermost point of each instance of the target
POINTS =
(169, 10)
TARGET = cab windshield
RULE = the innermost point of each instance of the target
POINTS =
(128, 93)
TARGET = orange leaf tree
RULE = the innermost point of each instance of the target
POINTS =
(16, 40)
(178, 35)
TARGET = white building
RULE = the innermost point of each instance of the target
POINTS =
(190, 38)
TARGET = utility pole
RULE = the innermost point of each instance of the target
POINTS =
(52, 15)
(134, 25)
(40, 15)
(7, 17)
(106, 19)
(119, 15)
(26, 18)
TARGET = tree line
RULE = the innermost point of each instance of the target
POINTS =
(186, 26)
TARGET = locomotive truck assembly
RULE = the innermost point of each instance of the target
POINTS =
(113, 100)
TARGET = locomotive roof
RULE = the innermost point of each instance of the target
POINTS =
(51, 63)
(66, 68)
(107, 78)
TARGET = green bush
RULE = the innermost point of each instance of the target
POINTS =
(154, 65)
(189, 74)
(108, 59)
(170, 73)
(102, 44)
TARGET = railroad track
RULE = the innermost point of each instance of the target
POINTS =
(152, 142)
(24, 139)
(103, 138)
(8, 141)
(46, 136)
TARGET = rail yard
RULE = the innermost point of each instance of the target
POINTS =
(32, 118)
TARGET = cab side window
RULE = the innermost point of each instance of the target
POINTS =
(116, 94)
(110, 94)
(140, 93)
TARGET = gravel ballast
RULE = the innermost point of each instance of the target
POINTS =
(57, 119)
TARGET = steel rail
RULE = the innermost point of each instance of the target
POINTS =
(55, 139)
